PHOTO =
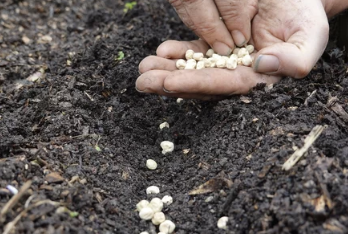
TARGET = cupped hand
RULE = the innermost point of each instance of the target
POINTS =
(160, 75)
(203, 17)
(290, 37)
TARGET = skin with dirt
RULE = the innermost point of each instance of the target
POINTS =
(81, 134)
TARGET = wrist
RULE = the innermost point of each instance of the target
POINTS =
(333, 7)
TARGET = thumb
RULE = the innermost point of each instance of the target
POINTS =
(294, 58)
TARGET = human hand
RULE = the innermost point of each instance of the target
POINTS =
(203, 17)
(289, 36)
(160, 75)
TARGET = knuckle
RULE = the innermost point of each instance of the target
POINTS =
(203, 28)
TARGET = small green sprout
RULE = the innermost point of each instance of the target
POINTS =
(129, 6)
(97, 148)
(73, 214)
(120, 56)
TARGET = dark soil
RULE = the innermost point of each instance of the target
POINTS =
(84, 118)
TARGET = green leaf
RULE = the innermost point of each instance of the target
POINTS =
(97, 148)
(129, 6)
(120, 55)
(73, 214)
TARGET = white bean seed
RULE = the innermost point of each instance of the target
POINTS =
(152, 190)
(246, 60)
(242, 52)
(167, 147)
(234, 56)
(236, 50)
(222, 222)
(209, 53)
(250, 48)
(198, 56)
(200, 65)
(158, 218)
(151, 164)
(212, 62)
(231, 63)
(179, 100)
(225, 57)
(167, 227)
(142, 204)
(207, 62)
(189, 54)
(180, 64)
(167, 200)
(164, 125)
(156, 204)
(216, 56)
(221, 63)
(190, 64)
(146, 213)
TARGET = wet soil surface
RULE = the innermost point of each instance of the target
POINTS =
(75, 135)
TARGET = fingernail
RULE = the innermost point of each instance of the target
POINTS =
(168, 91)
(238, 38)
(221, 48)
(266, 64)
(140, 91)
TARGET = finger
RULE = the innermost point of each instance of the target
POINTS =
(237, 16)
(214, 81)
(155, 63)
(153, 82)
(209, 81)
(203, 18)
(177, 49)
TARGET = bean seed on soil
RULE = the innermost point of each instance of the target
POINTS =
(164, 125)
(222, 222)
(151, 164)
(167, 147)
(179, 100)
(142, 204)
(158, 218)
(152, 190)
(167, 200)
(146, 213)
(156, 204)
(167, 227)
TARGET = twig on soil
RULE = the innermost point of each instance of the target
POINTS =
(13, 223)
(310, 139)
(13, 201)
(231, 197)
(337, 108)
(80, 164)
(325, 191)
(309, 97)
(89, 96)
